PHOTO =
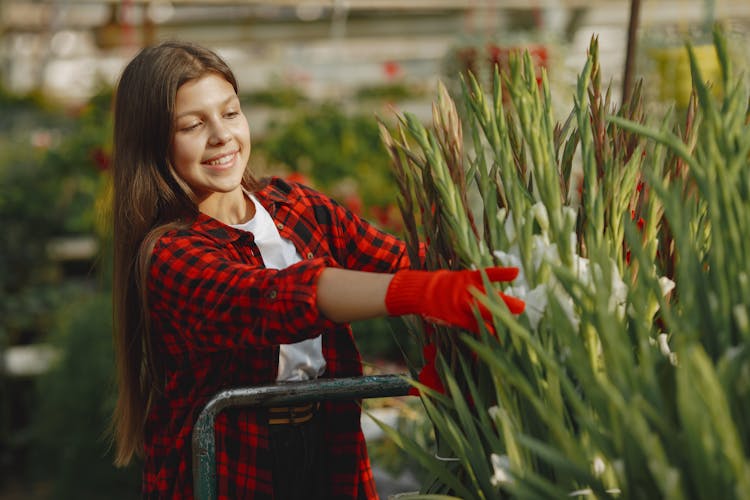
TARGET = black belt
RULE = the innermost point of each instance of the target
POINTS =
(294, 415)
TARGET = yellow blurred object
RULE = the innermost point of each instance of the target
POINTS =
(673, 67)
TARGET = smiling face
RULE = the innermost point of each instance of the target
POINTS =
(211, 143)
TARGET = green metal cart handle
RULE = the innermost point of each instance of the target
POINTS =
(204, 441)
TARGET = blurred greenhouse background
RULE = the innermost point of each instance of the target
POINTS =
(314, 75)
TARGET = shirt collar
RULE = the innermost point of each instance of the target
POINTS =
(273, 191)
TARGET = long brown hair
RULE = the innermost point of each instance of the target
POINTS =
(149, 198)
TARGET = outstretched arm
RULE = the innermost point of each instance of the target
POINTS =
(438, 296)
(345, 295)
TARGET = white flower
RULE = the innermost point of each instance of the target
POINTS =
(539, 211)
(508, 224)
(494, 412)
(536, 304)
(664, 348)
(588, 491)
(599, 466)
(543, 251)
(619, 295)
(511, 259)
(663, 344)
(566, 303)
(545, 255)
(666, 285)
(581, 269)
(501, 468)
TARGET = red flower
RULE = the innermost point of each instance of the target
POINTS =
(100, 158)
(498, 56)
(640, 222)
(392, 69)
(538, 54)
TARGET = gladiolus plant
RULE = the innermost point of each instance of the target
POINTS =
(628, 375)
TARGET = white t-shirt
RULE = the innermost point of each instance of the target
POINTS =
(302, 360)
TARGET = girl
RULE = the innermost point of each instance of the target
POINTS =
(222, 280)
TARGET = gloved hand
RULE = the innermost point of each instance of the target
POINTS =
(444, 297)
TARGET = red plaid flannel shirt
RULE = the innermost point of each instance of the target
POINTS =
(217, 317)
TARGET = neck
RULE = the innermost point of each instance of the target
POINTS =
(229, 208)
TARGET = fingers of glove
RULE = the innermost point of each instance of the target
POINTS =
(515, 305)
(502, 273)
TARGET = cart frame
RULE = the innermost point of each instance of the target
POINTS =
(204, 440)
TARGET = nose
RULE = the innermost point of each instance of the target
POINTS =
(219, 133)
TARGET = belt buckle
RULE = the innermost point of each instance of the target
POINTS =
(293, 415)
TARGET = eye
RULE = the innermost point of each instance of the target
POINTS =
(232, 114)
(190, 127)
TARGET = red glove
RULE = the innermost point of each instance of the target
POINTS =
(443, 297)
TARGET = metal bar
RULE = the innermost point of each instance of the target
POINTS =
(627, 78)
(204, 441)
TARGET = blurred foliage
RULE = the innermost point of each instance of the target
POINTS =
(52, 171)
(384, 340)
(18, 110)
(275, 95)
(411, 422)
(49, 181)
(78, 393)
(390, 92)
(334, 149)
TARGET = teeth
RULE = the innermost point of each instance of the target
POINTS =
(221, 161)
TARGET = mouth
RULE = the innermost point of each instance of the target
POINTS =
(221, 161)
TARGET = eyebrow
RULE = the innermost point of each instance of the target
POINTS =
(196, 112)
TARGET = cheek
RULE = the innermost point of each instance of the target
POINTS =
(181, 153)
(241, 128)
(242, 132)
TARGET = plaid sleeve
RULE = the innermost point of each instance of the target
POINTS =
(357, 244)
(216, 302)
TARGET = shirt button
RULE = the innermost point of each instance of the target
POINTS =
(280, 225)
(272, 294)
(310, 255)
